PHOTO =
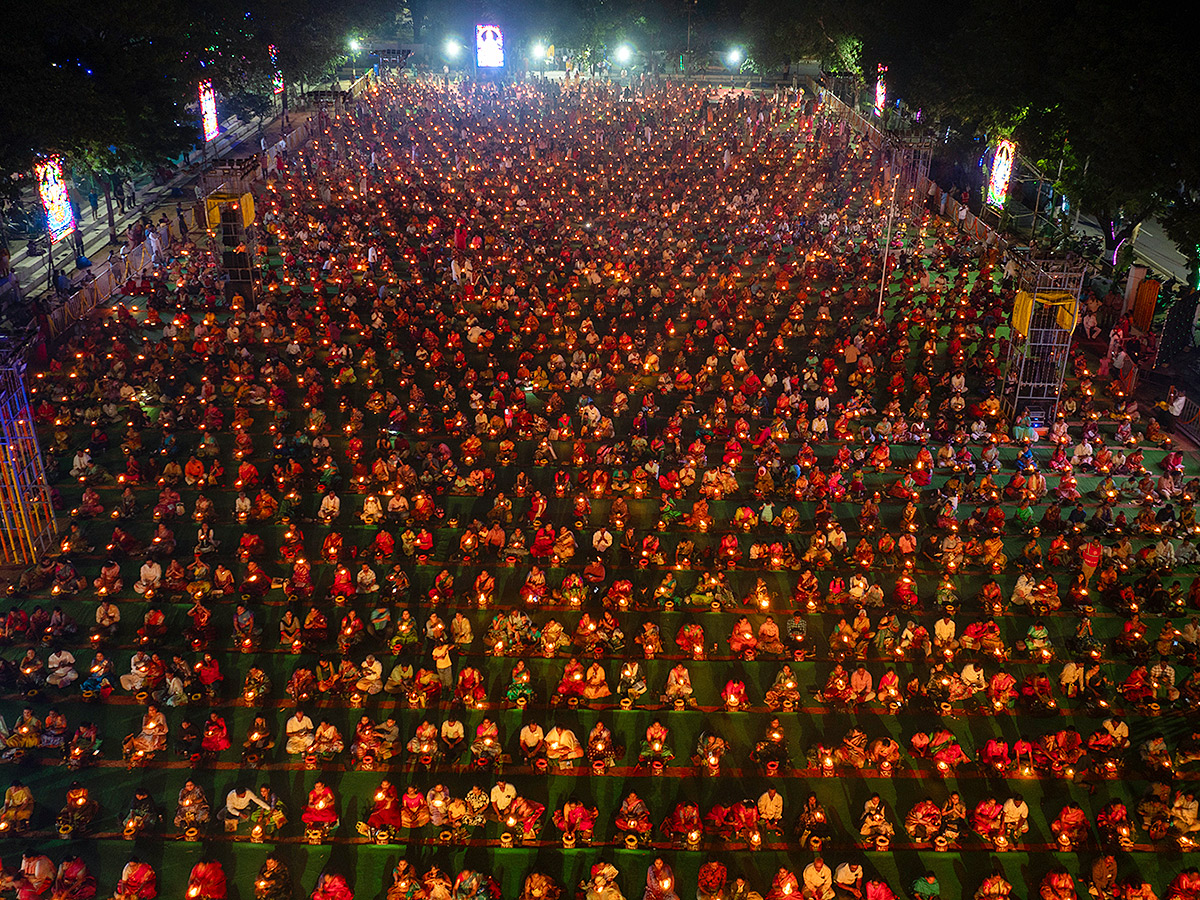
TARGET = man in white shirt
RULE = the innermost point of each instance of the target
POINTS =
(1016, 815)
(149, 577)
(1118, 731)
(139, 666)
(532, 740)
(299, 730)
(60, 669)
(1177, 402)
(973, 677)
(562, 747)
(445, 671)
(848, 881)
(331, 506)
(452, 736)
(944, 631)
(502, 796)
(770, 807)
(238, 803)
(817, 881)
(1071, 678)
(108, 616)
(1190, 633)
(1184, 813)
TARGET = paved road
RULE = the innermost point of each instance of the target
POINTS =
(1155, 248)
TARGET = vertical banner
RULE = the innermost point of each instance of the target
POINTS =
(276, 76)
(208, 110)
(55, 201)
(1002, 164)
(881, 89)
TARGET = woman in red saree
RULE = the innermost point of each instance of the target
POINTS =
(1001, 690)
(576, 818)
(74, 881)
(385, 811)
(207, 881)
(321, 808)
(138, 882)
(572, 683)
(986, 818)
(1072, 822)
(216, 735)
(332, 887)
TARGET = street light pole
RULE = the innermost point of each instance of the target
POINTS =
(887, 243)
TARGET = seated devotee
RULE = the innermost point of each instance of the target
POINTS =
(633, 817)
(1071, 822)
(320, 810)
(1057, 885)
(575, 820)
(987, 818)
(191, 810)
(874, 823)
(924, 820)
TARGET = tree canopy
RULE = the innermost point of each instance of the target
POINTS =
(114, 83)
(1102, 88)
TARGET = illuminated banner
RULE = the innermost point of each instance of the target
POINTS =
(277, 78)
(489, 46)
(880, 90)
(1002, 164)
(208, 110)
(59, 217)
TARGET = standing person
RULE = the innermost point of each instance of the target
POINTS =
(1089, 558)
(94, 203)
(119, 196)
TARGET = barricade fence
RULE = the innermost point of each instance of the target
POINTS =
(1188, 420)
(106, 280)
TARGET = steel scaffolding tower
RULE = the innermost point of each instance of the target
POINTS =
(1037, 361)
(27, 526)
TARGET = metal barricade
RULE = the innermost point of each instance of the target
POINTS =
(106, 279)
(1188, 420)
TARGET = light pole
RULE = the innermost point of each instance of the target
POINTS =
(887, 243)
(623, 55)
(733, 59)
(451, 49)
